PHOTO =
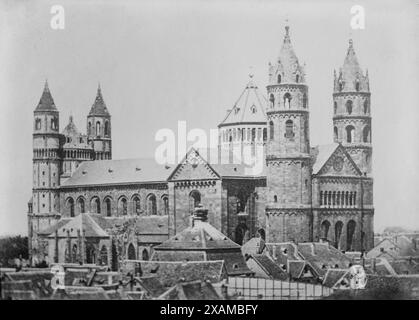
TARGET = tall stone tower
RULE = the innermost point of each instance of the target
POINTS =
(352, 111)
(46, 172)
(99, 128)
(289, 169)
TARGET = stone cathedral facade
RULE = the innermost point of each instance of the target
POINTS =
(89, 208)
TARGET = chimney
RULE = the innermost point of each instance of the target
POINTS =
(200, 214)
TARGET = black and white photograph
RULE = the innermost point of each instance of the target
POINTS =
(237, 151)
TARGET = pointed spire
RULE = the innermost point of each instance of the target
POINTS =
(287, 68)
(351, 77)
(46, 103)
(99, 106)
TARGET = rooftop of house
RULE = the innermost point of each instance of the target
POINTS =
(194, 290)
(272, 269)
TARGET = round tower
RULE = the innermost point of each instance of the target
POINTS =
(99, 128)
(288, 162)
(242, 133)
(46, 170)
(352, 111)
(75, 149)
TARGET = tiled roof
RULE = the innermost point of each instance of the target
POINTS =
(202, 236)
(272, 269)
(255, 245)
(84, 222)
(282, 252)
(322, 256)
(99, 106)
(295, 268)
(333, 277)
(249, 108)
(46, 103)
(172, 272)
(106, 172)
(194, 290)
(152, 285)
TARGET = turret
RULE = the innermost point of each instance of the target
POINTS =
(287, 156)
(352, 111)
(99, 128)
(46, 170)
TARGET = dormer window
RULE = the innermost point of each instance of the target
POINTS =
(253, 109)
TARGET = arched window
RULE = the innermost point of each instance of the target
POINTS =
(98, 128)
(289, 129)
(106, 128)
(338, 198)
(74, 255)
(349, 106)
(131, 252)
(304, 101)
(366, 134)
(321, 198)
(350, 232)
(240, 233)
(38, 124)
(350, 134)
(81, 205)
(340, 85)
(287, 100)
(275, 198)
(194, 200)
(366, 104)
(89, 128)
(262, 234)
(70, 206)
(297, 78)
(103, 256)
(265, 135)
(272, 100)
(95, 205)
(136, 205)
(335, 107)
(357, 85)
(108, 206)
(123, 206)
(279, 78)
(271, 130)
(253, 135)
(338, 233)
(90, 254)
(145, 255)
(325, 229)
(151, 205)
(335, 133)
(54, 124)
(165, 199)
(241, 202)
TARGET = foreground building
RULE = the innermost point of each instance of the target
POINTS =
(301, 193)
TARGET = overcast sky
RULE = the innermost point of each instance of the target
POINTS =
(160, 62)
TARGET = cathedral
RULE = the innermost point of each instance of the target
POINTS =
(88, 208)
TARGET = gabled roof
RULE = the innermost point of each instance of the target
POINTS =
(334, 277)
(46, 103)
(202, 236)
(295, 268)
(172, 272)
(107, 172)
(99, 106)
(152, 285)
(249, 108)
(194, 290)
(272, 269)
(323, 155)
(322, 256)
(83, 222)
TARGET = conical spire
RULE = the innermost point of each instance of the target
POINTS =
(46, 103)
(248, 107)
(351, 77)
(99, 106)
(287, 69)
